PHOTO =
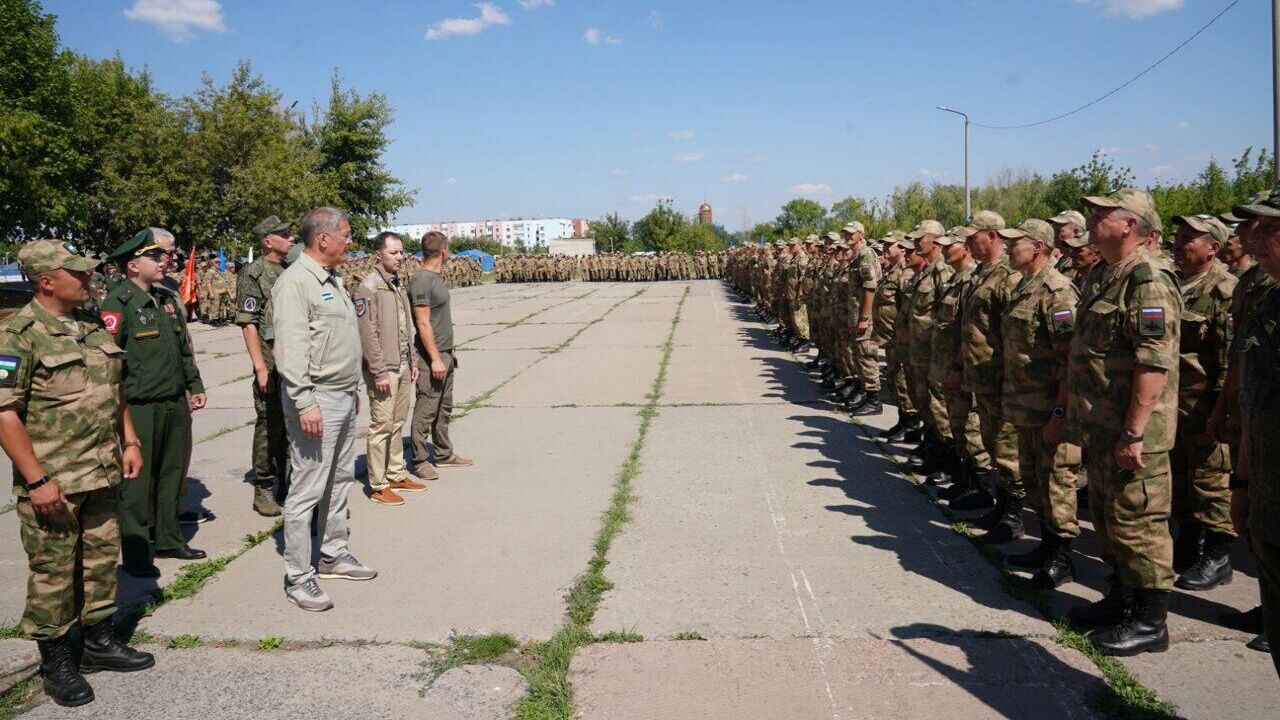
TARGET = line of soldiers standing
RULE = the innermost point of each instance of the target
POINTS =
(1026, 359)
(611, 267)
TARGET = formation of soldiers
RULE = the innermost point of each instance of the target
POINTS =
(459, 272)
(1057, 364)
(610, 267)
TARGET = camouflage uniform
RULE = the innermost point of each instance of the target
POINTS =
(62, 377)
(945, 345)
(927, 396)
(865, 276)
(981, 349)
(886, 307)
(270, 440)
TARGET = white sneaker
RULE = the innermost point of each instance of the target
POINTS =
(346, 567)
(308, 596)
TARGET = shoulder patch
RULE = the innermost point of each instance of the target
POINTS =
(1064, 320)
(111, 321)
(9, 365)
(362, 306)
(250, 304)
(1151, 322)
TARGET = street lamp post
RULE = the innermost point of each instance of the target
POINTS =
(967, 210)
(1275, 83)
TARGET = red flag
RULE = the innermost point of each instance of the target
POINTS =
(187, 290)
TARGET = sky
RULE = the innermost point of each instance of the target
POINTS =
(577, 108)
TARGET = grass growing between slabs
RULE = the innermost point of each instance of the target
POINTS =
(550, 696)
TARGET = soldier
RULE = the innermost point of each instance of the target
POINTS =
(63, 424)
(1068, 227)
(1233, 252)
(1036, 329)
(253, 315)
(928, 397)
(1201, 465)
(162, 385)
(981, 370)
(1123, 374)
(891, 298)
(865, 279)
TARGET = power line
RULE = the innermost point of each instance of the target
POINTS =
(1117, 89)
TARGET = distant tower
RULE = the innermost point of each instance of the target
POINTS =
(704, 214)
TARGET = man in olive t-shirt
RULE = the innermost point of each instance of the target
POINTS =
(429, 295)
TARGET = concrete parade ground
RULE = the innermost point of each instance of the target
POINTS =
(773, 561)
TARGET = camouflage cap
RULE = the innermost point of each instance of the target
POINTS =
(42, 256)
(1030, 228)
(927, 227)
(1078, 241)
(1205, 224)
(1264, 204)
(794, 241)
(1231, 218)
(1068, 216)
(982, 220)
(948, 240)
(855, 227)
(840, 245)
(811, 238)
(1138, 202)
(271, 225)
(832, 236)
(907, 242)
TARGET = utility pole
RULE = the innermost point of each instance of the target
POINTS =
(1275, 85)
(968, 212)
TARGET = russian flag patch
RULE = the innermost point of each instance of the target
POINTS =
(1151, 322)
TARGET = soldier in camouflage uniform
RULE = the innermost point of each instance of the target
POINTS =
(1123, 375)
(928, 397)
(891, 324)
(864, 280)
(1202, 465)
(253, 315)
(1036, 329)
(981, 371)
(71, 440)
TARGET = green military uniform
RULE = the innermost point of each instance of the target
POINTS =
(159, 371)
(865, 276)
(928, 397)
(253, 307)
(945, 346)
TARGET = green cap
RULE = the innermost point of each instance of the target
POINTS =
(42, 256)
(272, 225)
(1068, 216)
(1032, 228)
(1264, 204)
(982, 220)
(1205, 224)
(140, 243)
(1138, 202)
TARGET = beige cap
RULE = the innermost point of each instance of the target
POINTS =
(832, 236)
(949, 240)
(982, 220)
(42, 256)
(1205, 224)
(1032, 228)
(1078, 241)
(811, 238)
(1068, 216)
(927, 227)
(855, 227)
(1138, 202)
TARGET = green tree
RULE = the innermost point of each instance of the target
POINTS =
(487, 245)
(801, 217)
(611, 233)
(659, 229)
(351, 140)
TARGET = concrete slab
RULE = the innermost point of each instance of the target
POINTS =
(1216, 680)
(480, 371)
(584, 376)
(772, 520)
(463, 334)
(616, 331)
(953, 677)
(489, 548)
(583, 310)
(521, 337)
(732, 374)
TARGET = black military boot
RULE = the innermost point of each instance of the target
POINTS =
(1034, 558)
(946, 469)
(1144, 628)
(1058, 567)
(914, 434)
(977, 498)
(62, 681)
(870, 406)
(960, 484)
(1104, 613)
(855, 399)
(992, 518)
(1214, 566)
(102, 651)
(1010, 526)
(815, 363)
(1189, 545)
(893, 430)
(906, 423)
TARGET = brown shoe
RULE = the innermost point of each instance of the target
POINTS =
(408, 485)
(386, 496)
(426, 473)
(454, 461)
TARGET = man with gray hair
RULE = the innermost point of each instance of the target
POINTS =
(318, 358)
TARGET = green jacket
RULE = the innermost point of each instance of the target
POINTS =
(159, 362)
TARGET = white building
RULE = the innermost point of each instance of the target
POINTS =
(532, 232)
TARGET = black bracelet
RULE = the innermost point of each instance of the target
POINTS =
(40, 481)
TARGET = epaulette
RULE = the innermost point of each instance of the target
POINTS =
(1057, 282)
(17, 323)
(1142, 273)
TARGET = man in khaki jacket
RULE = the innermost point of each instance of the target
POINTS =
(386, 338)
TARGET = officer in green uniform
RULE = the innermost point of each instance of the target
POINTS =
(253, 315)
(71, 441)
(159, 372)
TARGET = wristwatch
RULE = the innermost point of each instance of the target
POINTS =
(1059, 411)
(1129, 438)
(39, 482)
(133, 443)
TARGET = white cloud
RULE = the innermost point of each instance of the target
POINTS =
(650, 198)
(1135, 9)
(736, 177)
(534, 4)
(1183, 124)
(1163, 170)
(1151, 147)
(757, 159)
(656, 19)
(618, 172)
(490, 15)
(593, 36)
(689, 157)
(681, 134)
(179, 18)
(811, 188)
(451, 181)
(935, 174)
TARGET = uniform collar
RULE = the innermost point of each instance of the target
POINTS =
(387, 278)
(52, 323)
(321, 273)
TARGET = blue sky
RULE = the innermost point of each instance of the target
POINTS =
(578, 108)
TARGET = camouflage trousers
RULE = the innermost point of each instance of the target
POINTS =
(800, 319)
(1049, 474)
(72, 563)
(270, 439)
(930, 402)
(866, 361)
(1000, 439)
(1201, 474)
(964, 428)
(1130, 510)
(897, 374)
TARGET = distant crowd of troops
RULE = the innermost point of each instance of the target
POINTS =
(610, 267)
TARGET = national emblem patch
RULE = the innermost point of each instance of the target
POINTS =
(111, 319)
(250, 304)
(1151, 322)
(361, 306)
(9, 370)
